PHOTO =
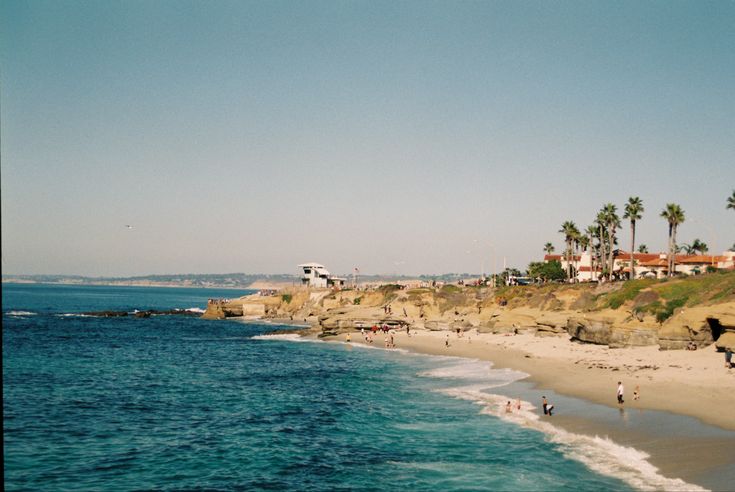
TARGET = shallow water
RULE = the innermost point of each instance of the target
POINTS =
(179, 403)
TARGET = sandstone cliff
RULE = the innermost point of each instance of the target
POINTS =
(671, 314)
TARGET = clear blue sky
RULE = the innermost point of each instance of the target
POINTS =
(398, 137)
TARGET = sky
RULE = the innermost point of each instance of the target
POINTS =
(396, 137)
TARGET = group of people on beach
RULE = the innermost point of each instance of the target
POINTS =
(368, 335)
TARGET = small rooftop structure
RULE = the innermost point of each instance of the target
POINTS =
(317, 276)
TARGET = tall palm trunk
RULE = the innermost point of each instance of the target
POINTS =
(632, 248)
(592, 260)
(672, 271)
(671, 248)
(602, 251)
(610, 259)
(569, 260)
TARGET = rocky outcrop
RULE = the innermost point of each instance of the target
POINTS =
(701, 325)
(436, 325)
(726, 341)
(589, 330)
(604, 331)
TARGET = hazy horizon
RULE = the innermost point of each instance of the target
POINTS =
(398, 138)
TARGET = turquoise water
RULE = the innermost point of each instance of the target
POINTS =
(180, 403)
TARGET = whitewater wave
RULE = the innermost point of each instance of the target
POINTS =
(290, 337)
(76, 315)
(599, 454)
(20, 313)
(195, 310)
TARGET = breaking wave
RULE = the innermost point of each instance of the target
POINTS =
(20, 313)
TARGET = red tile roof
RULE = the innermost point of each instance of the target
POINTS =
(561, 257)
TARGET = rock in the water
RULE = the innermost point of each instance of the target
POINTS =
(106, 314)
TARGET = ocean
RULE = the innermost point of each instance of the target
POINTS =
(173, 402)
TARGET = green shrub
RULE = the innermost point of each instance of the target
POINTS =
(667, 311)
(627, 292)
(287, 298)
(357, 301)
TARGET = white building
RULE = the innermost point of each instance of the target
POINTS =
(317, 276)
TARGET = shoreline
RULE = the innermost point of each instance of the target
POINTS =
(691, 383)
(694, 458)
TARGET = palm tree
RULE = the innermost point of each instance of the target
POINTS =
(731, 201)
(570, 231)
(591, 232)
(549, 248)
(643, 248)
(633, 211)
(699, 246)
(674, 215)
(687, 248)
(612, 223)
(600, 224)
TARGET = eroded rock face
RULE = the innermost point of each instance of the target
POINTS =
(676, 336)
(701, 325)
(590, 330)
(436, 325)
(603, 331)
(635, 337)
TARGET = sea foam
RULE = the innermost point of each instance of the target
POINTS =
(20, 313)
(289, 337)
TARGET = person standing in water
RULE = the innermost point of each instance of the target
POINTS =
(621, 390)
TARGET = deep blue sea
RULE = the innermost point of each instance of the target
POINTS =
(172, 402)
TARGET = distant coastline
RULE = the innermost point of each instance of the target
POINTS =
(208, 280)
(202, 281)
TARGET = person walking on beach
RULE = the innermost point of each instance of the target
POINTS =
(728, 358)
(620, 393)
(446, 341)
(637, 393)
